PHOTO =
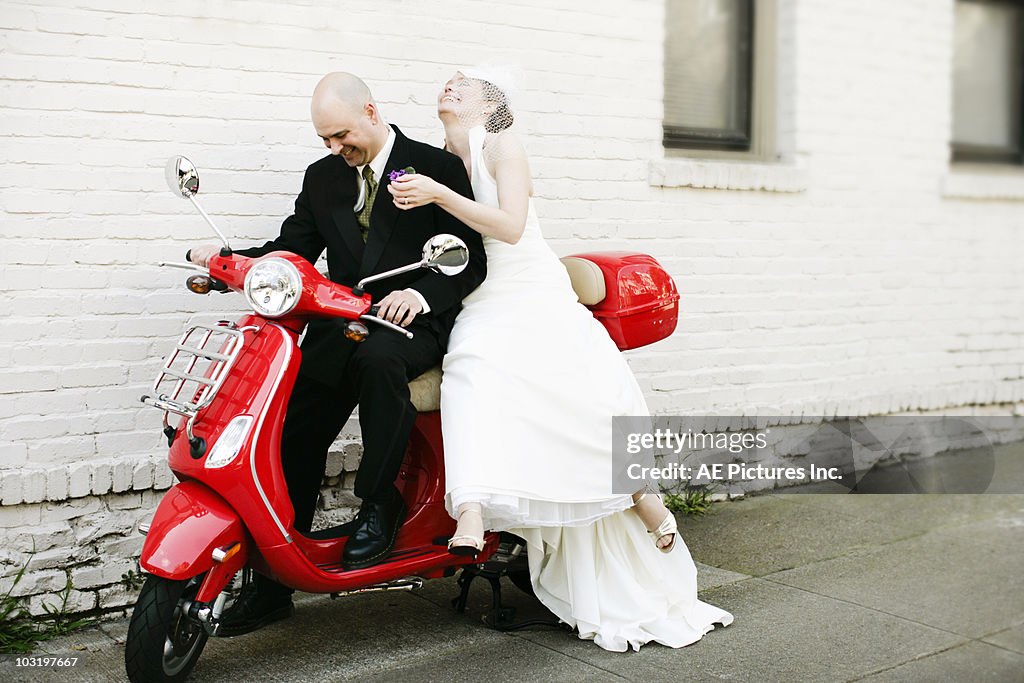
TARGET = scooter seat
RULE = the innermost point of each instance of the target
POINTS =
(587, 280)
(425, 390)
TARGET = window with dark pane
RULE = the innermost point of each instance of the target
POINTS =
(708, 53)
(988, 81)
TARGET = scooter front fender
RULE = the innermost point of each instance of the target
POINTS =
(190, 523)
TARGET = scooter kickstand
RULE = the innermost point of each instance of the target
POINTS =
(465, 579)
(499, 617)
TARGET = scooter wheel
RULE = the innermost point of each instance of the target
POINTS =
(163, 643)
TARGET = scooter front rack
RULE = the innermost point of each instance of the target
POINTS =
(195, 370)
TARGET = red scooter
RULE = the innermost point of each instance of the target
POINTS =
(230, 383)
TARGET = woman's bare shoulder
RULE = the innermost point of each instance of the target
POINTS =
(503, 144)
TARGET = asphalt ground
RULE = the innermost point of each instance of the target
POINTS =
(823, 587)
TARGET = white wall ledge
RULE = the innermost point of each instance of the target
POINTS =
(727, 175)
(977, 181)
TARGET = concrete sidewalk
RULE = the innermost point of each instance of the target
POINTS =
(823, 588)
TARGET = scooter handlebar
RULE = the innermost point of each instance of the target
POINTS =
(385, 323)
(320, 297)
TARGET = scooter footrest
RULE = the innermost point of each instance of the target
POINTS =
(405, 554)
(339, 531)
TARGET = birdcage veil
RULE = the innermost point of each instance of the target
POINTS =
(495, 108)
(500, 85)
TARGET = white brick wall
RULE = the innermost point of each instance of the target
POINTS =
(864, 288)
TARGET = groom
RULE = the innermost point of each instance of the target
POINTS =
(343, 207)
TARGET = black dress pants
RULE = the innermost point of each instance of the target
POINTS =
(376, 378)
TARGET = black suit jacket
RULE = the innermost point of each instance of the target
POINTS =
(324, 219)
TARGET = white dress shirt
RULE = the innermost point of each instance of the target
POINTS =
(377, 165)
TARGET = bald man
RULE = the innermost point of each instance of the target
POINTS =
(341, 210)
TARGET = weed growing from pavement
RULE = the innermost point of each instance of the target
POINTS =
(20, 631)
(689, 500)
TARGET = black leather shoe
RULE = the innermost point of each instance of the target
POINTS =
(256, 606)
(375, 534)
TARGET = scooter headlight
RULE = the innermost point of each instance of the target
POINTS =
(272, 287)
(230, 442)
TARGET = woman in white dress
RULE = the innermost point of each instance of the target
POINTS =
(531, 381)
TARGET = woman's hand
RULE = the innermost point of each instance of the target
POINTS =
(415, 189)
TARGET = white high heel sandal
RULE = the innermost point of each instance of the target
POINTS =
(667, 527)
(465, 544)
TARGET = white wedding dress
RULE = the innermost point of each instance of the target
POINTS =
(531, 381)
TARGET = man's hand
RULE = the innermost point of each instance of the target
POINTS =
(202, 254)
(399, 308)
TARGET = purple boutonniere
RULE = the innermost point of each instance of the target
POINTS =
(395, 175)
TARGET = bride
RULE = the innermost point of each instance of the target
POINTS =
(531, 381)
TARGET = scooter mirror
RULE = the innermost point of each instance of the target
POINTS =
(182, 177)
(446, 253)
